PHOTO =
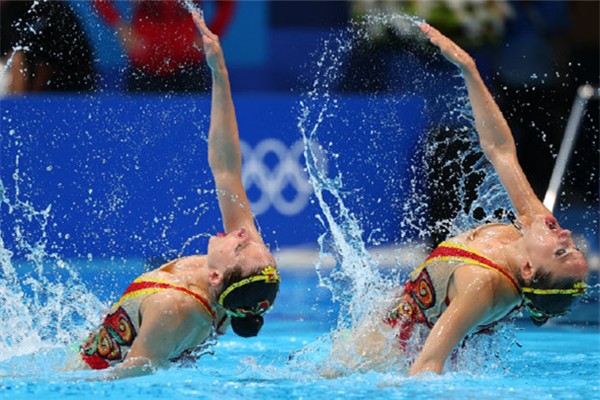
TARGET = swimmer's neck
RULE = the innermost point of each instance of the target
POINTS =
(190, 271)
(494, 232)
(500, 242)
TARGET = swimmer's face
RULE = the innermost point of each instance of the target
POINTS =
(237, 248)
(552, 249)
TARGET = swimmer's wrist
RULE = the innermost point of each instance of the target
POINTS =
(219, 70)
(220, 74)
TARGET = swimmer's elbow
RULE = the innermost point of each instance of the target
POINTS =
(495, 152)
(500, 149)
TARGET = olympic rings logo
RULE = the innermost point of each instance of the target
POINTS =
(276, 170)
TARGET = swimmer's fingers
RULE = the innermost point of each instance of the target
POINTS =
(432, 33)
(211, 44)
(201, 25)
(449, 49)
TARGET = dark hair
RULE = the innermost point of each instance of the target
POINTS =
(248, 326)
(247, 297)
(554, 304)
(232, 276)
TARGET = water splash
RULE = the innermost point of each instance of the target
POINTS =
(44, 302)
(357, 281)
(357, 272)
(192, 8)
(190, 240)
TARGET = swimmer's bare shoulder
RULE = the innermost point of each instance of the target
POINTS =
(489, 240)
(171, 322)
(502, 296)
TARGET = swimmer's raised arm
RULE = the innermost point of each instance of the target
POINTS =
(494, 133)
(224, 153)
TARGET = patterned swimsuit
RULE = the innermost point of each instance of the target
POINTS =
(425, 295)
(109, 344)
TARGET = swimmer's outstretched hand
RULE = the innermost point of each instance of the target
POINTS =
(449, 49)
(211, 44)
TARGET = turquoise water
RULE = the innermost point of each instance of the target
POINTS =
(553, 362)
(49, 301)
(257, 369)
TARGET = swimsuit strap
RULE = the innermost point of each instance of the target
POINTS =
(145, 286)
(452, 251)
(220, 324)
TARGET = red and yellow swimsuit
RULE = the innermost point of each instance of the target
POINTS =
(425, 295)
(108, 344)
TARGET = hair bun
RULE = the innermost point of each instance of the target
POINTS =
(247, 326)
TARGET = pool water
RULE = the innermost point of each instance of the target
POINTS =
(555, 361)
(552, 364)
(549, 362)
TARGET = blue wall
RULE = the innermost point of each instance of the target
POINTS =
(128, 176)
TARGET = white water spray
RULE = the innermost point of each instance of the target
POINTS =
(44, 302)
(191, 7)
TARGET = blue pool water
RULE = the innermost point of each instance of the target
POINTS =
(49, 301)
(561, 361)
(552, 364)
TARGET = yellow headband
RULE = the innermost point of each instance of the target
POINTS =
(268, 274)
(578, 289)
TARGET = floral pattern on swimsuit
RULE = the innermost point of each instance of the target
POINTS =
(418, 296)
(105, 343)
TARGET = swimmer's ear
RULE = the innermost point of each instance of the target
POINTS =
(215, 278)
(527, 272)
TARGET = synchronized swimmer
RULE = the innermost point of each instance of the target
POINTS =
(167, 313)
(474, 280)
